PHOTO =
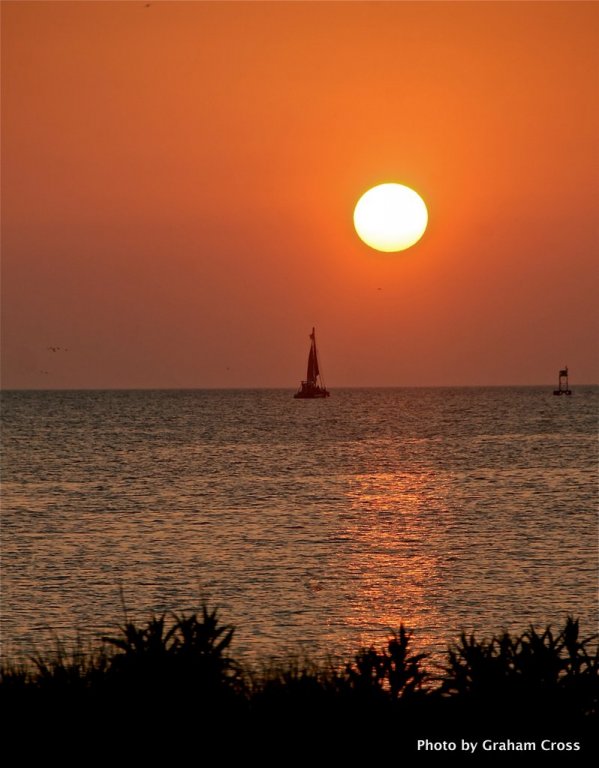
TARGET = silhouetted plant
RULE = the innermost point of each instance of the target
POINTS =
(69, 669)
(174, 667)
(189, 655)
(391, 672)
(532, 667)
(15, 678)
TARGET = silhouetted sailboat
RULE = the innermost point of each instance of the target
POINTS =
(314, 385)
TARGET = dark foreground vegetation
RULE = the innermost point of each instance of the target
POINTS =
(175, 680)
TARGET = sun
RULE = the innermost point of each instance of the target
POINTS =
(390, 217)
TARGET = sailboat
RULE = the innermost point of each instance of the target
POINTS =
(314, 384)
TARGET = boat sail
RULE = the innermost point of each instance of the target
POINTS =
(313, 386)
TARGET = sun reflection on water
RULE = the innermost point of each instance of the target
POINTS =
(396, 564)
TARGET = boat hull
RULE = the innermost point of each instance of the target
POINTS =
(310, 392)
(312, 396)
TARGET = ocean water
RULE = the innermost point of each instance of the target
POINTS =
(315, 526)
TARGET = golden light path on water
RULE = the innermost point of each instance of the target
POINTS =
(389, 528)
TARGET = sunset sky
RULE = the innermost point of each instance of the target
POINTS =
(178, 184)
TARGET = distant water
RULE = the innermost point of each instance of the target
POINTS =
(313, 525)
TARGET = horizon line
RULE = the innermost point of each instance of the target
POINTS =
(282, 388)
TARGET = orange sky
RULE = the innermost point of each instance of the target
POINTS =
(178, 183)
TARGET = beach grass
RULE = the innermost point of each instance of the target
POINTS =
(178, 673)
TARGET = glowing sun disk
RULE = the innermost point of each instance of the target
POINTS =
(390, 217)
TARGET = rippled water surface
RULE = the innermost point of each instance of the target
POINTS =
(315, 524)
